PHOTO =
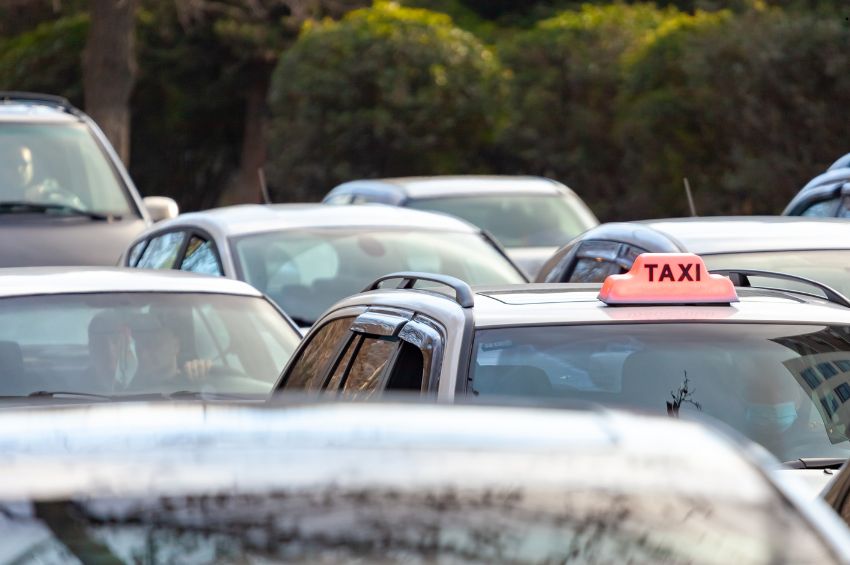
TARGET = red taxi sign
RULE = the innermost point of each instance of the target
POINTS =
(668, 278)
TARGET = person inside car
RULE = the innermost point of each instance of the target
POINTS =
(158, 348)
(18, 184)
(113, 361)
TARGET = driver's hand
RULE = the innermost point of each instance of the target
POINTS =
(197, 369)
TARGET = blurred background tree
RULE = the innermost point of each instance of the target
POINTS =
(620, 100)
(386, 91)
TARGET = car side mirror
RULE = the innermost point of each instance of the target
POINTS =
(161, 207)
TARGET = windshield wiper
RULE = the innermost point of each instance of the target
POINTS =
(816, 463)
(23, 207)
(55, 393)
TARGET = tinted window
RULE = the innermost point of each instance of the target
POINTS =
(824, 208)
(364, 376)
(593, 270)
(313, 362)
(774, 383)
(306, 271)
(517, 220)
(135, 253)
(201, 257)
(58, 163)
(161, 252)
(123, 343)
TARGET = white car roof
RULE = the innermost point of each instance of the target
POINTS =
(246, 219)
(29, 281)
(741, 234)
(31, 112)
(571, 303)
(466, 185)
(100, 447)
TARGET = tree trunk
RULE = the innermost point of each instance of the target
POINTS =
(109, 69)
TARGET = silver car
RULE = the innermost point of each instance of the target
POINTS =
(530, 216)
(307, 256)
(169, 483)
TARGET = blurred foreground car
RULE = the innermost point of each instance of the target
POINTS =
(65, 197)
(826, 195)
(666, 338)
(307, 256)
(814, 248)
(394, 483)
(530, 216)
(109, 333)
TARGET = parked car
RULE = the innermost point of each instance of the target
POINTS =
(65, 197)
(394, 483)
(530, 216)
(307, 256)
(774, 365)
(814, 248)
(826, 195)
(109, 333)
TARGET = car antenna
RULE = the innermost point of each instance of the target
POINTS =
(264, 189)
(690, 196)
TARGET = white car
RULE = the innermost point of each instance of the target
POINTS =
(774, 365)
(307, 256)
(108, 333)
(395, 483)
(531, 216)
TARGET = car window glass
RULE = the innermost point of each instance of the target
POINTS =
(161, 252)
(65, 165)
(312, 363)
(201, 257)
(364, 376)
(135, 253)
(342, 364)
(824, 208)
(407, 371)
(593, 270)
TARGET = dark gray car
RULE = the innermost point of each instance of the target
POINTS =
(65, 197)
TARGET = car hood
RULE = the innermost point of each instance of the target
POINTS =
(530, 259)
(811, 481)
(35, 240)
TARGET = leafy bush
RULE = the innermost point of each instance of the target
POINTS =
(46, 59)
(386, 91)
(564, 96)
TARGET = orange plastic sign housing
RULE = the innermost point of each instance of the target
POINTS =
(668, 278)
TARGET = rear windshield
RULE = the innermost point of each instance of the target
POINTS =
(784, 386)
(518, 220)
(127, 343)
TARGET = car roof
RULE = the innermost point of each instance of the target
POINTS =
(30, 281)
(233, 221)
(740, 234)
(461, 185)
(124, 448)
(28, 111)
(577, 303)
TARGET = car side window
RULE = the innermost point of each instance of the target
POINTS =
(136, 252)
(201, 257)
(308, 371)
(162, 251)
(822, 209)
(365, 376)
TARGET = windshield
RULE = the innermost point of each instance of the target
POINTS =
(830, 267)
(306, 271)
(784, 386)
(127, 343)
(517, 220)
(58, 164)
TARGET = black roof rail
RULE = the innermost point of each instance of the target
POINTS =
(52, 99)
(741, 277)
(463, 292)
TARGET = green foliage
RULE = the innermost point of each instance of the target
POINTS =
(745, 107)
(568, 76)
(46, 59)
(386, 91)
